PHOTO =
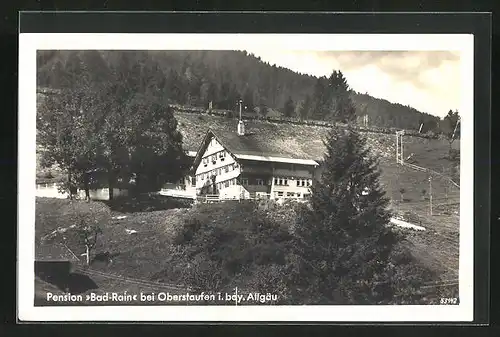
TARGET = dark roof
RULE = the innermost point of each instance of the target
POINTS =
(266, 138)
(53, 252)
(261, 137)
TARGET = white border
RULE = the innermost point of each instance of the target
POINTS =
(30, 43)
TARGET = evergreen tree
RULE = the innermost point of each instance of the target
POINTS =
(339, 99)
(450, 126)
(305, 109)
(343, 240)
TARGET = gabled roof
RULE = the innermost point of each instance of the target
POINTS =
(262, 138)
(53, 252)
(247, 147)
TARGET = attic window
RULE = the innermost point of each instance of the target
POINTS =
(260, 181)
(214, 159)
(205, 162)
(222, 155)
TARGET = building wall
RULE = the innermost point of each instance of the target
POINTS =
(224, 167)
(234, 192)
(51, 191)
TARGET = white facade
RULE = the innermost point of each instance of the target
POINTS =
(216, 162)
(51, 191)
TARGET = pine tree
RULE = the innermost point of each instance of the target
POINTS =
(343, 240)
(340, 104)
(305, 108)
(289, 108)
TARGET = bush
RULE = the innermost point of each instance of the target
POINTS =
(454, 154)
(233, 242)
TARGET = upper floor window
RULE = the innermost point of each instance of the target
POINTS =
(260, 181)
(214, 159)
(244, 181)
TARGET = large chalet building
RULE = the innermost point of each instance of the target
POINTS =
(235, 164)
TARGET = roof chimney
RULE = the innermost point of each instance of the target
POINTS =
(241, 125)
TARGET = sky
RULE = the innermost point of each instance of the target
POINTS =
(428, 81)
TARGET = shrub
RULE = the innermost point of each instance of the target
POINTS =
(233, 241)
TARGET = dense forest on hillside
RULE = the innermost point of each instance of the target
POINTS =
(195, 78)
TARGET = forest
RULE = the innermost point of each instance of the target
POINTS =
(195, 78)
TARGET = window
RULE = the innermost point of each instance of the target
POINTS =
(280, 181)
(205, 162)
(276, 181)
(193, 181)
(226, 183)
(260, 181)
(244, 181)
(280, 194)
(298, 182)
(290, 194)
(222, 155)
(214, 159)
(285, 182)
(309, 183)
(226, 169)
(303, 183)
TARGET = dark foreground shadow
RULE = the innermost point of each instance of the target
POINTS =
(146, 203)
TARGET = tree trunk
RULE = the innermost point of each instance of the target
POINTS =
(70, 186)
(87, 187)
(111, 184)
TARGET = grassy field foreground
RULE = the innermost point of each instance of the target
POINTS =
(145, 261)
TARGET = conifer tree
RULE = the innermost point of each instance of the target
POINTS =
(289, 108)
(341, 106)
(343, 241)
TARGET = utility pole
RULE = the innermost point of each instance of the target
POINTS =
(455, 129)
(430, 194)
(399, 146)
(240, 102)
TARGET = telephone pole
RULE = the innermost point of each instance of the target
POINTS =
(399, 146)
(455, 129)
(430, 194)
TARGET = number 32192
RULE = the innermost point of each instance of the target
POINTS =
(449, 300)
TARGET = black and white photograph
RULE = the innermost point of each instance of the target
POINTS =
(246, 176)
